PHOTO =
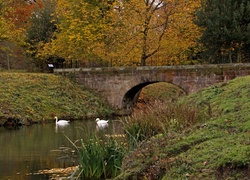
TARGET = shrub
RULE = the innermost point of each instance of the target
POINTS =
(160, 119)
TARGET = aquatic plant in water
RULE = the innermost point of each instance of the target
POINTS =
(100, 157)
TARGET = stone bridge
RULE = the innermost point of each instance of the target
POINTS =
(121, 86)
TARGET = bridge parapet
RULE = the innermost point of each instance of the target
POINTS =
(152, 68)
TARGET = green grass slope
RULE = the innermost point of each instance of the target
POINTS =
(39, 97)
(218, 147)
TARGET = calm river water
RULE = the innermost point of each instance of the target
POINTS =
(29, 149)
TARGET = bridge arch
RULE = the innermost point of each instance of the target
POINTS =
(131, 96)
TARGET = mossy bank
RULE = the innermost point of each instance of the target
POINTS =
(215, 147)
(33, 97)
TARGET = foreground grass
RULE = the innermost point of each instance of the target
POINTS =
(39, 97)
(99, 157)
(216, 146)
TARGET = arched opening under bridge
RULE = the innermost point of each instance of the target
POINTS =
(151, 91)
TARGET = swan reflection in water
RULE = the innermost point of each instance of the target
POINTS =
(60, 127)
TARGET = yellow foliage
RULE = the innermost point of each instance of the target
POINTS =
(79, 28)
(5, 25)
(127, 33)
(182, 34)
(140, 28)
(4, 29)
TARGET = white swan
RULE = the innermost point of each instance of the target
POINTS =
(61, 122)
(101, 123)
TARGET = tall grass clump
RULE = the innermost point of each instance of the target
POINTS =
(160, 118)
(100, 157)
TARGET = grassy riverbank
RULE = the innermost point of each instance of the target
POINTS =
(40, 97)
(215, 144)
(205, 135)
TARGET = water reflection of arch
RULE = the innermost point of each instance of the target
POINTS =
(131, 96)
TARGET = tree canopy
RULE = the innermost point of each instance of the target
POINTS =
(5, 23)
(128, 32)
(124, 33)
(226, 27)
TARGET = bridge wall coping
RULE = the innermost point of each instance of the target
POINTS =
(150, 68)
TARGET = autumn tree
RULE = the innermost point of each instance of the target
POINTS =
(5, 24)
(11, 32)
(18, 16)
(80, 26)
(21, 12)
(124, 33)
(5, 27)
(180, 44)
(146, 30)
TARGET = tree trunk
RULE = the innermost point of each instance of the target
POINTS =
(8, 61)
(238, 55)
(143, 60)
(230, 56)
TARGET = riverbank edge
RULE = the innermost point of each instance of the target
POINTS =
(30, 98)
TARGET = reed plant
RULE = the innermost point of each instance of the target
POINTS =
(115, 150)
(100, 157)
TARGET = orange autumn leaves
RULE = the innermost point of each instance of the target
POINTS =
(15, 16)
